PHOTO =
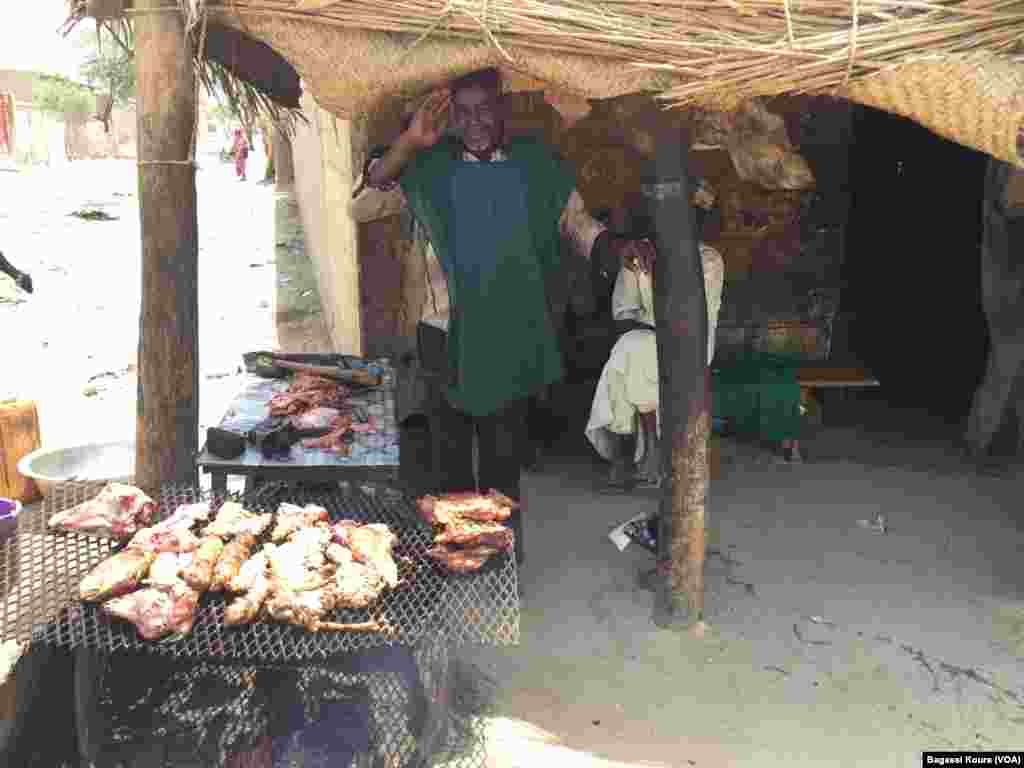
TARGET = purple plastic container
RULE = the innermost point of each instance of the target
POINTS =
(9, 510)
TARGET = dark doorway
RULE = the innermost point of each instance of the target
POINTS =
(911, 277)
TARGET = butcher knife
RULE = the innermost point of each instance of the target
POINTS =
(356, 376)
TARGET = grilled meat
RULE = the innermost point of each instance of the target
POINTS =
(301, 565)
(117, 512)
(199, 573)
(461, 560)
(304, 609)
(185, 516)
(167, 568)
(356, 584)
(291, 518)
(234, 520)
(255, 578)
(158, 539)
(116, 575)
(450, 508)
(230, 562)
(370, 544)
(473, 534)
(157, 611)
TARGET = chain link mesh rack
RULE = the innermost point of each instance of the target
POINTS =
(213, 684)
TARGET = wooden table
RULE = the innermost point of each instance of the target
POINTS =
(373, 456)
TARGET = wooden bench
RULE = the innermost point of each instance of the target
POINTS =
(824, 376)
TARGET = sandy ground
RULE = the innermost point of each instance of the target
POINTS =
(72, 345)
(825, 644)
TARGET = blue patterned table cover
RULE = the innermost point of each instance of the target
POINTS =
(377, 448)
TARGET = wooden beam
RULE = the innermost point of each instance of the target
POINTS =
(168, 397)
(682, 329)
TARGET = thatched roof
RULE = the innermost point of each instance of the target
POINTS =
(950, 64)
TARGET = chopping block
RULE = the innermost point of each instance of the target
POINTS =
(19, 436)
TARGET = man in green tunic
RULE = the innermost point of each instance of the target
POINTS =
(495, 209)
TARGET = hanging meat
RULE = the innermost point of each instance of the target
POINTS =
(116, 575)
(234, 520)
(199, 573)
(116, 512)
(157, 611)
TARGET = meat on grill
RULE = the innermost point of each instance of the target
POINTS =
(167, 568)
(356, 584)
(234, 520)
(301, 565)
(370, 544)
(158, 540)
(450, 508)
(199, 573)
(157, 611)
(461, 560)
(333, 441)
(185, 516)
(473, 534)
(291, 517)
(116, 512)
(116, 575)
(230, 561)
(254, 583)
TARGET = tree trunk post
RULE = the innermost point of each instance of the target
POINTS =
(1002, 298)
(167, 423)
(682, 329)
(284, 166)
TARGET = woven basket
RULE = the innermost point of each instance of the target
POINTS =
(977, 101)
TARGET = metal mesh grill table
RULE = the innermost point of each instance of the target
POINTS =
(223, 689)
(41, 604)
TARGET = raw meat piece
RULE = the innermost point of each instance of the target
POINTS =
(116, 512)
(317, 418)
(461, 560)
(473, 534)
(199, 573)
(370, 544)
(116, 575)
(234, 520)
(230, 562)
(165, 540)
(451, 507)
(157, 611)
(291, 518)
(185, 516)
(333, 441)
(166, 569)
(255, 577)
(305, 393)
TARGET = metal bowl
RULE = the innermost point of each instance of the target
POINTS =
(95, 461)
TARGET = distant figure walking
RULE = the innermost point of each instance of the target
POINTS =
(21, 279)
(240, 150)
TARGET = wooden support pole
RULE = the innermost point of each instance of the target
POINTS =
(682, 328)
(168, 397)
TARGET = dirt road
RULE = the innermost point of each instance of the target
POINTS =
(71, 345)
